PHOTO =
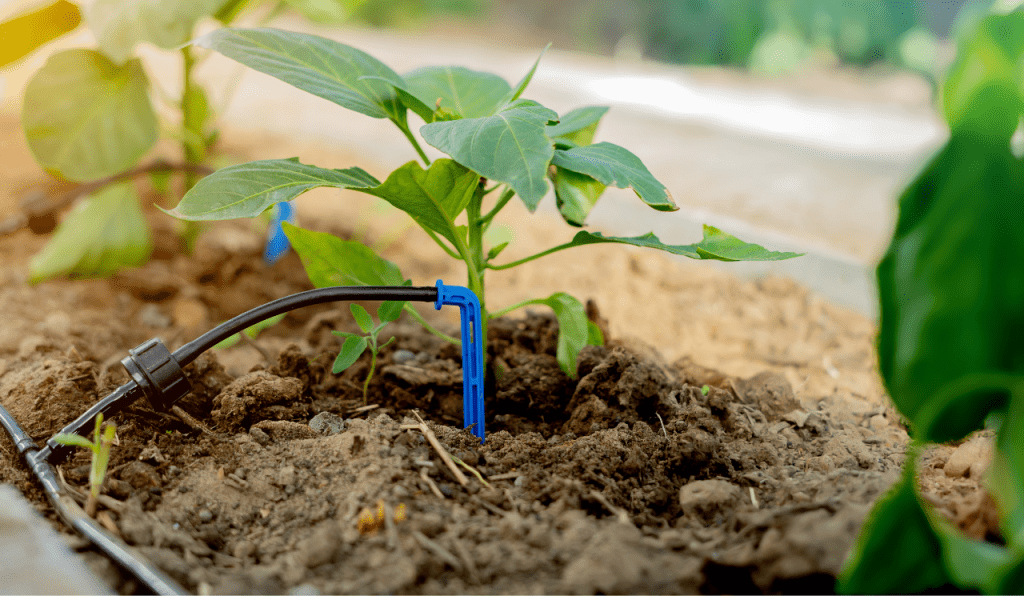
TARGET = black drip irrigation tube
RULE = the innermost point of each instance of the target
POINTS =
(157, 374)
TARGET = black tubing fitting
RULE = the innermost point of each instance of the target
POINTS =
(157, 373)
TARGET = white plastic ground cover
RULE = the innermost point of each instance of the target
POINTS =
(33, 558)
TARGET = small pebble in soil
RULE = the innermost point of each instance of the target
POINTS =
(205, 515)
(327, 423)
(259, 436)
(520, 481)
(150, 315)
(173, 470)
(304, 590)
(402, 356)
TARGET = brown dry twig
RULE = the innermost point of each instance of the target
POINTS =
(447, 459)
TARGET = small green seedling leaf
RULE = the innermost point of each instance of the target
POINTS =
(595, 337)
(249, 189)
(24, 33)
(389, 311)
(613, 165)
(704, 390)
(331, 261)
(463, 92)
(73, 440)
(87, 118)
(350, 351)
(515, 92)
(119, 26)
(575, 195)
(107, 231)
(362, 317)
(716, 245)
(573, 328)
(510, 147)
(496, 250)
(578, 126)
(328, 69)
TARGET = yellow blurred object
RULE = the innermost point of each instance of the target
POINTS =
(21, 35)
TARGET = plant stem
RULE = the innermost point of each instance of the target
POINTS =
(502, 201)
(476, 256)
(192, 140)
(419, 319)
(532, 257)
(373, 366)
(437, 239)
(415, 144)
(508, 309)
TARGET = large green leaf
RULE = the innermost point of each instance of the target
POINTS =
(508, 147)
(897, 551)
(982, 93)
(105, 232)
(433, 197)
(575, 195)
(579, 125)
(716, 245)
(613, 165)
(86, 118)
(26, 32)
(951, 284)
(464, 92)
(334, 71)
(331, 261)
(119, 25)
(972, 563)
(1005, 478)
(573, 329)
(246, 190)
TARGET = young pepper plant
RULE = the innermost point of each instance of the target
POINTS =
(89, 118)
(356, 344)
(103, 438)
(499, 146)
(951, 289)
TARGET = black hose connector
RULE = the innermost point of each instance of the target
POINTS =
(154, 369)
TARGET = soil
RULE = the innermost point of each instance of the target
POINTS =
(730, 437)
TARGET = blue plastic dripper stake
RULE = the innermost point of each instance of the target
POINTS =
(472, 353)
(277, 242)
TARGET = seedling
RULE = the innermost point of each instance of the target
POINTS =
(100, 447)
(356, 344)
(499, 144)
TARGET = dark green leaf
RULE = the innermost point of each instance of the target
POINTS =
(433, 197)
(971, 563)
(249, 189)
(118, 26)
(496, 250)
(575, 195)
(24, 33)
(467, 93)
(573, 329)
(615, 166)
(389, 311)
(331, 261)
(362, 317)
(579, 125)
(105, 232)
(716, 245)
(897, 551)
(952, 297)
(508, 147)
(594, 335)
(961, 407)
(1005, 481)
(351, 350)
(328, 69)
(86, 118)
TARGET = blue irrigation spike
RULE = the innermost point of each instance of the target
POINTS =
(472, 353)
(277, 242)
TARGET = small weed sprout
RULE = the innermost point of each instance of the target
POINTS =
(100, 447)
(356, 344)
(704, 390)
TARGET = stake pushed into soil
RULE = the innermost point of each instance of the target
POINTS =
(157, 373)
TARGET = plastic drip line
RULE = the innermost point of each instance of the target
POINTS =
(157, 374)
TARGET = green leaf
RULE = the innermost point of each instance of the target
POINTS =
(952, 296)
(961, 406)
(594, 335)
(328, 12)
(362, 317)
(105, 232)
(971, 563)
(716, 245)
(328, 69)
(389, 311)
(615, 166)
(74, 440)
(351, 350)
(496, 250)
(345, 334)
(982, 93)
(573, 329)
(579, 125)
(246, 190)
(897, 550)
(575, 195)
(119, 26)
(515, 92)
(433, 197)
(24, 33)
(508, 147)
(331, 261)
(1005, 481)
(467, 93)
(86, 118)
